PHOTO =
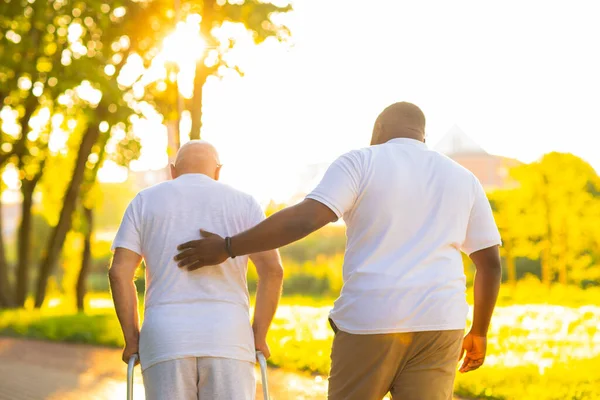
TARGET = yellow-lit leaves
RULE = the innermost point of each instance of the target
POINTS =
(44, 64)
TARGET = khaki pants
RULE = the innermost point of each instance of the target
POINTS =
(411, 366)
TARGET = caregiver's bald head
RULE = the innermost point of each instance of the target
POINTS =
(400, 120)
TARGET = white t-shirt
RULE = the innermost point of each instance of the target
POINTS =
(409, 212)
(203, 312)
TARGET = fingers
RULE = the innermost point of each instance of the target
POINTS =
(127, 356)
(188, 245)
(206, 234)
(194, 266)
(462, 354)
(264, 350)
(183, 254)
(464, 365)
(189, 261)
(471, 364)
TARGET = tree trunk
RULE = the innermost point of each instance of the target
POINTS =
(196, 107)
(24, 244)
(546, 263)
(202, 71)
(562, 273)
(86, 258)
(6, 299)
(547, 251)
(172, 140)
(511, 269)
(59, 233)
(563, 260)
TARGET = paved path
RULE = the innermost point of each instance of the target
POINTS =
(37, 370)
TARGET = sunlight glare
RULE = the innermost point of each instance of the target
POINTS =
(111, 172)
(87, 92)
(9, 118)
(11, 177)
(185, 45)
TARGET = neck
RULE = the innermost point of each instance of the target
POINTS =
(385, 136)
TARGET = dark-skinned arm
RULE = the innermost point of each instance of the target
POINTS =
(488, 276)
(280, 229)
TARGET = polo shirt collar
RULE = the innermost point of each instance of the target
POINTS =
(408, 141)
(193, 177)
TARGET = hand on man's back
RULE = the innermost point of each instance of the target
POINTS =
(210, 250)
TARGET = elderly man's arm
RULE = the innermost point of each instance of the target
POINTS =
(270, 278)
(121, 276)
(280, 229)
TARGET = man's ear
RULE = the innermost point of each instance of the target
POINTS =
(218, 173)
(173, 171)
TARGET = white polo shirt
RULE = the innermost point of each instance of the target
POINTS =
(409, 212)
(203, 313)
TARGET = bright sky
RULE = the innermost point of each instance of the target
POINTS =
(520, 77)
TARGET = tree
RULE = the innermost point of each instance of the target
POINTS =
(27, 52)
(65, 60)
(128, 149)
(134, 36)
(515, 225)
(49, 52)
(254, 15)
(557, 194)
(6, 299)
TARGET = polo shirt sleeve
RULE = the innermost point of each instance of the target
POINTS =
(340, 185)
(129, 233)
(482, 231)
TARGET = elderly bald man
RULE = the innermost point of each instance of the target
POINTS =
(409, 211)
(196, 341)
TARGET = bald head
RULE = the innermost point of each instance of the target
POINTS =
(197, 157)
(400, 120)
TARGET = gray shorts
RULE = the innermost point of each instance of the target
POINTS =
(202, 378)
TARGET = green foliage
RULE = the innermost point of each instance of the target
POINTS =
(530, 290)
(328, 241)
(549, 216)
(579, 380)
(73, 328)
(69, 94)
(111, 203)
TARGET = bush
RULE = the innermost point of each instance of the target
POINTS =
(326, 242)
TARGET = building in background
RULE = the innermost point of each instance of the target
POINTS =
(491, 170)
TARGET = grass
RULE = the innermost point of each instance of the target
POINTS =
(536, 350)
